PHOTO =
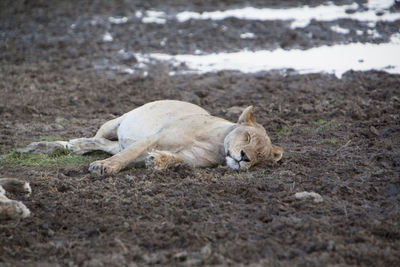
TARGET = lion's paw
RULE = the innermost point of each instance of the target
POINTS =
(12, 209)
(79, 146)
(153, 160)
(161, 160)
(104, 167)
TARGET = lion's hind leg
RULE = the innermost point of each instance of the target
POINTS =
(109, 129)
(44, 147)
(101, 141)
(85, 145)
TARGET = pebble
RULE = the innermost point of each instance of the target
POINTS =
(317, 198)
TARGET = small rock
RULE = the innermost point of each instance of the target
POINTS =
(374, 130)
(58, 127)
(331, 245)
(154, 258)
(317, 198)
(60, 120)
(181, 256)
(234, 111)
(130, 178)
(50, 233)
(206, 251)
(307, 107)
(395, 99)
(350, 11)
(93, 262)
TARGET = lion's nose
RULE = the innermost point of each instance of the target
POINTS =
(244, 156)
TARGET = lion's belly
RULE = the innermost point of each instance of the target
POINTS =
(151, 118)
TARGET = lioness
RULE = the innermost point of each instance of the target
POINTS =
(168, 132)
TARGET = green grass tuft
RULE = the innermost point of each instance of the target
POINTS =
(285, 131)
(322, 126)
(331, 141)
(49, 139)
(58, 158)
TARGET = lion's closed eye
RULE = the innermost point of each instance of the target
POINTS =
(248, 138)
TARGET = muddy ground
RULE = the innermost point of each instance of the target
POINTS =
(341, 139)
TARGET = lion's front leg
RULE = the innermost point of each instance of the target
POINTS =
(120, 160)
(160, 160)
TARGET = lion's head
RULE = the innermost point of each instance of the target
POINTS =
(248, 143)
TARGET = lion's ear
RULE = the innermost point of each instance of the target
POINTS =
(276, 153)
(247, 116)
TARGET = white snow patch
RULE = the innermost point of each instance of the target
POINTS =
(380, 4)
(93, 22)
(395, 38)
(300, 16)
(115, 20)
(127, 71)
(247, 35)
(107, 37)
(335, 59)
(152, 16)
(163, 42)
(339, 29)
(138, 14)
(375, 34)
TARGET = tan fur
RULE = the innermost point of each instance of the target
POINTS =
(162, 160)
(166, 133)
(12, 209)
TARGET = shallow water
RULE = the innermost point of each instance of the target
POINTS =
(299, 16)
(335, 59)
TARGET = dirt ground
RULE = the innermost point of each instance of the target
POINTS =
(341, 139)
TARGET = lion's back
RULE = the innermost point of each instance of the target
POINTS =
(152, 117)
